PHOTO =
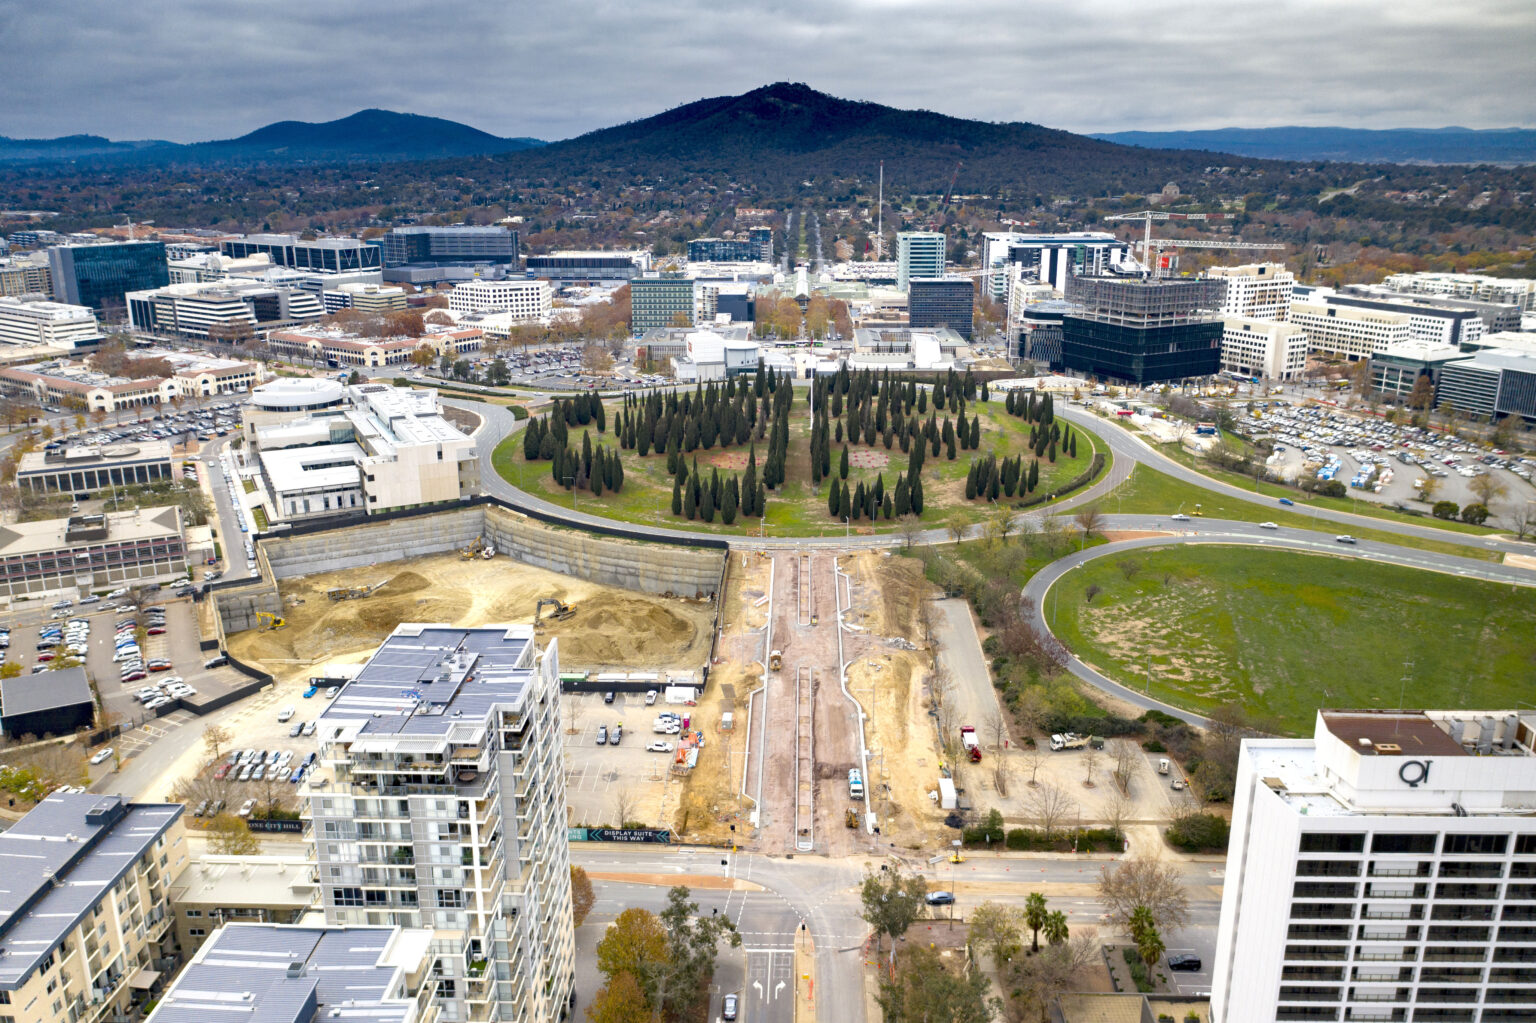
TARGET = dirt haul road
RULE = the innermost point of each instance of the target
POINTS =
(612, 629)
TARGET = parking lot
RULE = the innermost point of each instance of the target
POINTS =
(604, 782)
(260, 770)
(1383, 462)
(94, 627)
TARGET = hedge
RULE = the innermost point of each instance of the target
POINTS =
(1200, 832)
(518, 412)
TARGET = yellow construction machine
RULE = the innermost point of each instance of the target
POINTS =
(274, 622)
(562, 611)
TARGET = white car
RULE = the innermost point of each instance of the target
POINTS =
(246, 807)
(102, 756)
(1179, 517)
(1268, 525)
(659, 747)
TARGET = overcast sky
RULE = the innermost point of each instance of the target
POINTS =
(552, 69)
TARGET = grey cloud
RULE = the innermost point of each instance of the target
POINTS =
(195, 69)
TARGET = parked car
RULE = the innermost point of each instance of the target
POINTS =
(102, 755)
(297, 730)
(940, 898)
(1184, 962)
(602, 735)
(246, 807)
(659, 747)
(332, 692)
(221, 773)
(728, 1008)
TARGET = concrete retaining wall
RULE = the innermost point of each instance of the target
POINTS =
(354, 546)
(649, 567)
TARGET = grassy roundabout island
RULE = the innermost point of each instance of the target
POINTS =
(1281, 633)
(759, 435)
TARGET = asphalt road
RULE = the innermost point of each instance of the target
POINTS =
(973, 698)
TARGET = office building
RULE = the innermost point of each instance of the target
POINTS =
(762, 238)
(525, 300)
(59, 705)
(1256, 291)
(208, 265)
(337, 347)
(337, 255)
(589, 267)
(1142, 331)
(1052, 258)
(1349, 331)
(216, 890)
(1493, 383)
(73, 383)
(439, 801)
(656, 303)
(229, 310)
(84, 925)
(32, 239)
(365, 298)
(89, 469)
(268, 973)
(934, 302)
(35, 321)
(879, 348)
(1433, 320)
(733, 300)
(383, 448)
(724, 250)
(92, 552)
(1396, 371)
(919, 254)
(1384, 869)
(26, 275)
(1519, 341)
(1263, 349)
(492, 244)
(1039, 332)
(1513, 291)
(100, 275)
(711, 356)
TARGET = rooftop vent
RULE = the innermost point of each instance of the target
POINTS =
(1363, 741)
(295, 969)
(1388, 747)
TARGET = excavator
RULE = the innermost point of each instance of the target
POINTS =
(274, 622)
(562, 611)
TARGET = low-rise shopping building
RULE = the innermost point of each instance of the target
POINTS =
(91, 552)
(337, 347)
(84, 916)
(216, 890)
(57, 702)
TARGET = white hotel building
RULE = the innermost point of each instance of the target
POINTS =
(1257, 291)
(1384, 871)
(1268, 349)
(528, 301)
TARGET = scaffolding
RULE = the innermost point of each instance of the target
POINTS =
(1132, 302)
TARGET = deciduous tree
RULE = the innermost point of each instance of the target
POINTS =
(1145, 882)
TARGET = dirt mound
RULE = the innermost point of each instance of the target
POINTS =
(404, 583)
(615, 630)
(826, 771)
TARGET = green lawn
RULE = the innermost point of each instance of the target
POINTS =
(1283, 633)
(1151, 492)
(798, 509)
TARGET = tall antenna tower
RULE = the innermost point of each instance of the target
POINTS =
(880, 216)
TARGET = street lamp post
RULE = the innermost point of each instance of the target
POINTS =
(952, 861)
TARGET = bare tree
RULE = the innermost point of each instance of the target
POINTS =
(1033, 757)
(53, 763)
(1521, 517)
(1049, 806)
(909, 526)
(215, 739)
(1143, 881)
(1487, 487)
(1090, 764)
(1128, 568)
(1002, 774)
(1034, 982)
(625, 804)
(997, 728)
(1117, 810)
(1090, 520)
(941, 688)
(1125, 758)
(957, 527)
(1031, 712)
(575, 710)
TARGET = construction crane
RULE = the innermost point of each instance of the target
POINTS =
(274, 622)
(132, 224)
(1150, 244)
(949, 193)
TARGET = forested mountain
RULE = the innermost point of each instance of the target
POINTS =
(1507, 146)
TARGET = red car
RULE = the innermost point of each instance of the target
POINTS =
(221, 773)
(159, 665)
(44, 655)
(155, 630)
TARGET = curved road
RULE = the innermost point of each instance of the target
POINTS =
(1246, 534)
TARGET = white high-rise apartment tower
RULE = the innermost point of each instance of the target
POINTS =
(439, 802)
(918, 254)
(1384, 870)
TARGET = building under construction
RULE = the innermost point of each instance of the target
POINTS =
(1140, 331)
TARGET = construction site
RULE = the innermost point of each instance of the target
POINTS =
(333, 617)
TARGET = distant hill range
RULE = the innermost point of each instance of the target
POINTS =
(788, 132)
(365, 135)
(1507, 146)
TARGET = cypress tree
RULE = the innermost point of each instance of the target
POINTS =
(749, 484)
(879, 487)
(677, 496)
(730, 502)
(993, 487)
(975, 432)
(903, 498)
(714, 488)
(691, 498)
(706, 504)
(858, 501)
(1034, 475)
(950, 453)
(760, 502)
(842, 464)
(1072, 448)
(595, 483)
(834, 502)
(970, 483)
(618, 476)
(844, 502)
(599, 416)
(1052, 453)
(962, 433)
(586, 454)
(917, 496)
(531, 441)
(887, 507)
(985, 394)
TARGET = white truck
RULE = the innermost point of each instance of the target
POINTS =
(1068, 740)
(968, 742)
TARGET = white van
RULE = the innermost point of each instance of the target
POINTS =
(286, 713)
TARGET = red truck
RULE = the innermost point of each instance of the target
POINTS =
(968, 741)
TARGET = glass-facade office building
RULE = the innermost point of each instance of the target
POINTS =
(404, 245)
(335, 255)
(942, 302)
(1142, 331)
(98, 275)
(657, 302)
